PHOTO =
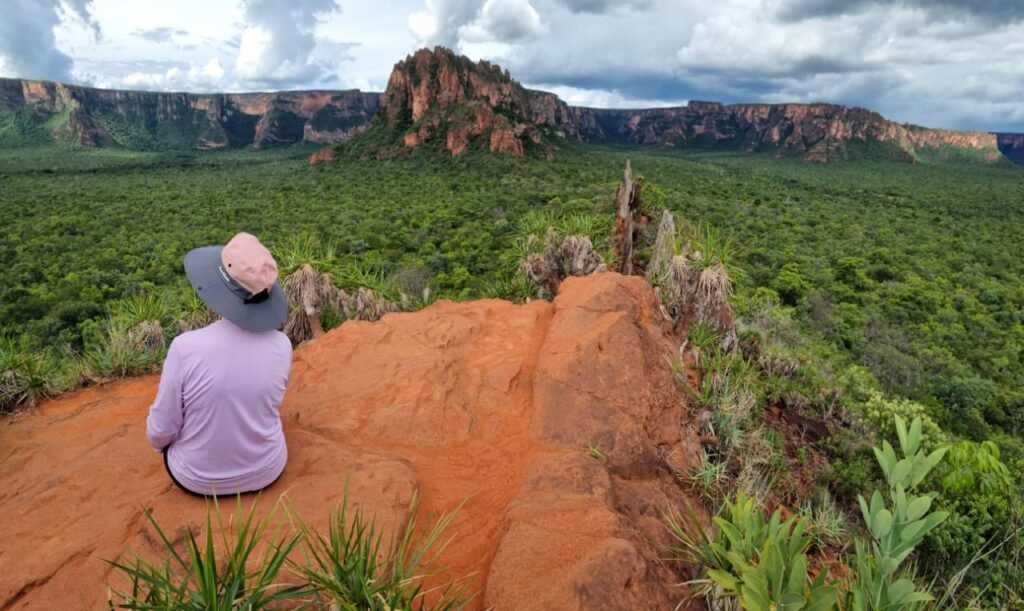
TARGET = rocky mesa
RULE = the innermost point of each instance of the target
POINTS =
(439, 100)
(484, 402)
(88, 117)
(444, 101)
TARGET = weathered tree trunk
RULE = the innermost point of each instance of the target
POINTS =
(316, 328)
(627, 198)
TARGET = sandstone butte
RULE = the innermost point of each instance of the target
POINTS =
(487, 402)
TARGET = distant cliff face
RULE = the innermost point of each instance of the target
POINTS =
(817, 132)
(1012, 145)
(443, 100)
(95, 117)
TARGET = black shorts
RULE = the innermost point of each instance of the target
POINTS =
(207, 496)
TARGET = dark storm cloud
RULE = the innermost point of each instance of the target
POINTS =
(160, 35)
(992, 11)
(27, 45)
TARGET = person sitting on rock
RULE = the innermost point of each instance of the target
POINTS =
(215, 417)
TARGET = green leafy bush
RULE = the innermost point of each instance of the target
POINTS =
(761, 564)
(897, 525)
(976, 552)
(878, 412)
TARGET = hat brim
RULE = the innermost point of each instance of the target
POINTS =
(202, 268)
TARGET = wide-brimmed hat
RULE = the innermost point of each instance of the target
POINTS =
(239, 282)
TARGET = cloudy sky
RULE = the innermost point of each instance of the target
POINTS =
(939, 63)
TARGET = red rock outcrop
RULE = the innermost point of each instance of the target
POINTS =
(440, 99)
(815, 131)
(484, 402)
(446, 98)
(327, 155)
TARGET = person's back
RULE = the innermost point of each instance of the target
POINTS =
(215, 417)
(216, 412)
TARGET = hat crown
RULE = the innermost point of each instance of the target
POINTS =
(249, 263)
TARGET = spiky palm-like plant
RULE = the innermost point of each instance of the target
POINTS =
(365, 305)
(308, 294)
(197, 314)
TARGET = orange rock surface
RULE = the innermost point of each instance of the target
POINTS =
(484, 402)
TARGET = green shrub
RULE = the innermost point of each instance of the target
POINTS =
(975, 553)
(897, 525)
(878, 412)
(763, 565)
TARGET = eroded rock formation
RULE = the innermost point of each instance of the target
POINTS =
(1012, 145)
(444, 98)
(437, 97)
(448, 102)
(484, 402)
(136, 119)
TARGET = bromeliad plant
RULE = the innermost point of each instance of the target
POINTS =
(763, 566)
(352, 570)
(201, 580)
(896, 526)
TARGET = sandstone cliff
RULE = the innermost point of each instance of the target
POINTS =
(1012, 145)
(444, 101)
(800, 128)
(437, 98)
(447, 100)
(486, 402)
(146, 120)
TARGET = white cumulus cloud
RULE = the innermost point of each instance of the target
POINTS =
(503, 21)
(279, 42)
(206, 78)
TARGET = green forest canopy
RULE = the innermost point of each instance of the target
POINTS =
(914, 271)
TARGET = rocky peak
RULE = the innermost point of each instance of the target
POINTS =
(440, 98)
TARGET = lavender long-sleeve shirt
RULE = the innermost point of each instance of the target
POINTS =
(217, 408)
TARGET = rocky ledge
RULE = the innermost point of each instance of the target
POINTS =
(485, 402)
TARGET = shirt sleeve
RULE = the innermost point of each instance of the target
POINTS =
(167, 413)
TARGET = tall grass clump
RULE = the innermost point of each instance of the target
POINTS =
(125, 344)
(30, 373)
(261, 563)
(353, 568)
(245, 576)
(300, 250)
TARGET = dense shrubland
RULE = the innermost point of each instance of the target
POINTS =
(862, 291)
